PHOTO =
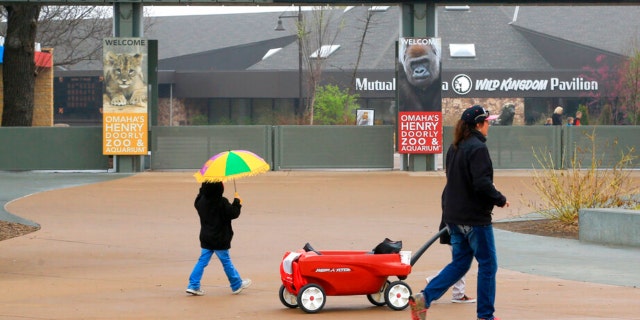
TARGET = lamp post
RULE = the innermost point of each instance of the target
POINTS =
(279, 27)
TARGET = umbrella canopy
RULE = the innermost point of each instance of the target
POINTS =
(231, 164)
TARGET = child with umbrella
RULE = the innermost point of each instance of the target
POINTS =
(216, 213)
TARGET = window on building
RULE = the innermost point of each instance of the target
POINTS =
(270, 53)
(457, 8)
(462, 50)
(325, 51)
(379, 8)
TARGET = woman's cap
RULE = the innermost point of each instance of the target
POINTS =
(476, 114)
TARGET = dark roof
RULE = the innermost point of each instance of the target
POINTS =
(498, 45)
(238, 57)
(378, 46)
(183, 35)
(535, 38)
(611, 28)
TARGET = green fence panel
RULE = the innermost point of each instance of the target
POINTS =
(517, 147)
(52, 148)
(334, 147)
(189, 147)
(514, 147)
(307, 147)
(604, 144)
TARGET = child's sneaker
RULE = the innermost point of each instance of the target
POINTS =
(245, 284)
(418, 309)
(195, 292)
(464, 299)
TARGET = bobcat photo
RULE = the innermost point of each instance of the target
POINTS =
(123, 81)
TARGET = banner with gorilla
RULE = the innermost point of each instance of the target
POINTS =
(418, 74)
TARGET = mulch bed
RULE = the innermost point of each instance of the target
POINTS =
(10, 230)
(545, 227)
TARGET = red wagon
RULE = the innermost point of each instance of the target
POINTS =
(309, 276)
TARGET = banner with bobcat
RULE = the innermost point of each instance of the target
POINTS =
(418, 74)
(124, 99)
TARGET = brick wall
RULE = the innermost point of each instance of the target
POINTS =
(43, 96)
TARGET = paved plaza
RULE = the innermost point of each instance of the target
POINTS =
(121, 246)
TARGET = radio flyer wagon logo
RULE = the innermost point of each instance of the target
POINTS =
(461, 84)
(323, 270)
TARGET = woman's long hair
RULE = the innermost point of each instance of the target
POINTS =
(462, 132)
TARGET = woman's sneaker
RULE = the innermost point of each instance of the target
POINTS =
(245, 284)
(418, 309)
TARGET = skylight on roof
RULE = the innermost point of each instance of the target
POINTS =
(324, 51)
(270, 53)
(462, 50)
(379, 8)
(457, 8)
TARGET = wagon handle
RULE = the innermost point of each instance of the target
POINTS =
(426, 246)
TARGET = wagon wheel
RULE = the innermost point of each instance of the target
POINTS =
(311, 298)
(397, 295)
(287, 298)
(377, 299)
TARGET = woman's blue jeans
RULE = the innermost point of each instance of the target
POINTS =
(205, 256)
(469, 242)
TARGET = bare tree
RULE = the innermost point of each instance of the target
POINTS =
(316, 40)
(18, 67)
(367, 22)
(317, 35)
(76, 32)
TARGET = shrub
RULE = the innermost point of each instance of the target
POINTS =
(565, 192)
(334, 106)
(199, 120)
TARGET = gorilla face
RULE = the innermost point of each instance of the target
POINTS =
(421, 65)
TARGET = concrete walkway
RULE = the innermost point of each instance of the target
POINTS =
(121, 246)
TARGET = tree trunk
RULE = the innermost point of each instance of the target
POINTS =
(19, 68)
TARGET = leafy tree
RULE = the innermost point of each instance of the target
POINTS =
(334, 106)
(630, 88)
(618, 100)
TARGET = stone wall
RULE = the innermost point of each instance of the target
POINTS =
(452, 108)
(610, 226)
(172, 111)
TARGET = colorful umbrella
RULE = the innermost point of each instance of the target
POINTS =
(231, 164)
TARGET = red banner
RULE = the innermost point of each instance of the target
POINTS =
(420, 132)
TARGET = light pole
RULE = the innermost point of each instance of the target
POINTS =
(279, 27)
